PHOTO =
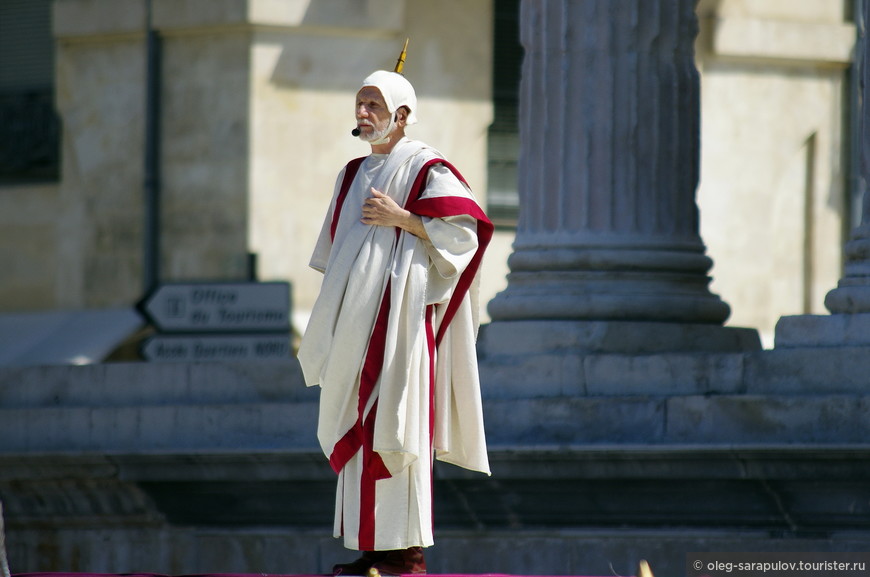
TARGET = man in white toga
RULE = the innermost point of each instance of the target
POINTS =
(391, 338)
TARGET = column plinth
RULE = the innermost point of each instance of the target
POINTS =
(852, 295)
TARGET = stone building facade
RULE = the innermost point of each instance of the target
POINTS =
(778, 186)
(625, 419)
(253, 115)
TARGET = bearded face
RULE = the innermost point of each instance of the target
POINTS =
(373, 119)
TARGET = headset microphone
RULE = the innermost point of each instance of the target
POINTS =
(355, 132)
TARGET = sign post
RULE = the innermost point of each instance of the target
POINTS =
(218, 321)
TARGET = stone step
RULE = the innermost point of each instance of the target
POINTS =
(584, 374)
(835, 330)
(841, 370)
(646, 337)
(145, 384)
(167, 428)
(797, 371)
(721, 420)
(712, 420)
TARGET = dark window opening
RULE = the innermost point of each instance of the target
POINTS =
(504, 140)
(29, 124)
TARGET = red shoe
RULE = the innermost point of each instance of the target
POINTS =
(401, 562)
(361, 566)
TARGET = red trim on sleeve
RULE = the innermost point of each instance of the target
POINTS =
(349, 173)
(452, 206)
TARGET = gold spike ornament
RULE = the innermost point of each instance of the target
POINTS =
(400, 63)
(643, 569)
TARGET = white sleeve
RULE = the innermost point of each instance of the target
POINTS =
(452, 240)
(320, 256)
(452, 243)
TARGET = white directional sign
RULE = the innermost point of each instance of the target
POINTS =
(219, 307)
(198, 348)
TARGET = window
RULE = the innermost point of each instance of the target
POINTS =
(504, 138)
(29, 125)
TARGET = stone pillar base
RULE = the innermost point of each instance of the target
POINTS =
(641, 280)
(836, 330)
(531, 337)
(851, 296)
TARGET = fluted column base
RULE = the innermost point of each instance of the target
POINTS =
(852, 295)
(848, 325)
(616, 278)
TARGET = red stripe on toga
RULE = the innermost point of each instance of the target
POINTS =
(349, 174)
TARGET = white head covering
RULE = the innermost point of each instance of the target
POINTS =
(396, 90)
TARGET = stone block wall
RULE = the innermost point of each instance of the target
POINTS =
(176, 468)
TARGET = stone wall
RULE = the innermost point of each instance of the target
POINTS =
(624, 420)
(255, 124)
(28, 246)
(599, 460)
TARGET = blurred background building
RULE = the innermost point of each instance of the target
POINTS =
(147, 142)
(250, 104)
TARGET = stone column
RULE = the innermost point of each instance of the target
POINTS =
(849, 303)
(852, 294)
(608, 169)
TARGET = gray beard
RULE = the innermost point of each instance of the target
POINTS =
(379, 136)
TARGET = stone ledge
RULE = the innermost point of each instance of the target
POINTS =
(581, 374)
(94, 18)
(158, 428)
(555, 337)
(283, 550)
(83, 18)
(829, 461)
(700, 420)
(808, 371)
(805, 42)
(149, 384)
(767, 419)
(823, 331)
